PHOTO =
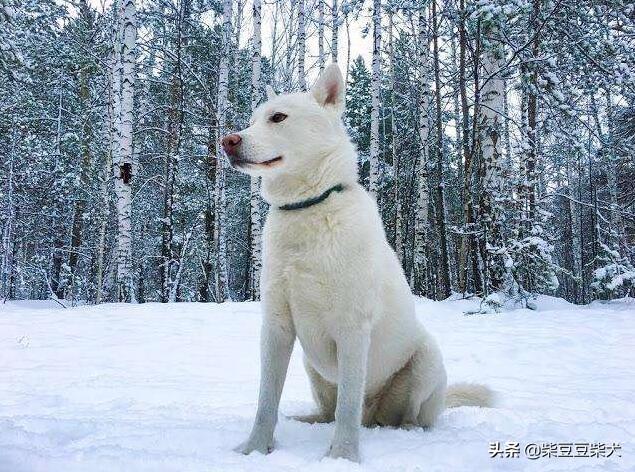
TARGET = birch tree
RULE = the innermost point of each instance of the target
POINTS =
(420, 272)
(393, 139)
(321, 58)
(491, 144)
(123, 162)
(301, 45)
(222, 107)
(334, 31)
(536, 188)
(375, 93)
(255, 200)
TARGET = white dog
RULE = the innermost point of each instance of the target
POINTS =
(331, 279)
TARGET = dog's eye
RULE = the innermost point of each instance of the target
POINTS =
(278, 117)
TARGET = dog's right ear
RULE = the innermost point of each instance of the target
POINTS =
(270, 92)
(328, 91)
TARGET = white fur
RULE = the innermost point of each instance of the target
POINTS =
(330, 279)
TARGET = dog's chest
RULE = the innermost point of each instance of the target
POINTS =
(307, 261)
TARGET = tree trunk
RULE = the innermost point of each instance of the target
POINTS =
(375, 102)
(334, 31)
(175, 117)
(255, 230)
(321, 58)
(532, 119)
(398, 230)
(6, 283)
(301, 45)
(208, 262)
(56, 282)
(444, 266)
(490, 132)
(468, 238)
(123, 162)
(420, 263)
(80, 202)
(220, 229)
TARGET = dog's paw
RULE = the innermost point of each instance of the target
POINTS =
(410, 426)
(344, 451)
(312, 419)
(261, 445)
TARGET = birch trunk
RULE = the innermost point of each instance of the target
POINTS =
(301, 45)
(291, 33)
(220, 230)
(491, 131)
(334, 31)
(123, 164)
(393, 143)
(375, 101)
(112, 108)
(321, 58)
(255, 232)
(420, 277)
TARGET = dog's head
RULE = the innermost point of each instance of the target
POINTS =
(291, 133)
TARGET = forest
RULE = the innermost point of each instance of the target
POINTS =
(496, 135)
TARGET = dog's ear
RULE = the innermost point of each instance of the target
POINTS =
(328, 91)
(270, 92)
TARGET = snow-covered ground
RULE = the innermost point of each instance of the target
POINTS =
(173, 388)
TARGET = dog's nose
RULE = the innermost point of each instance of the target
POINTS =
(230, 143)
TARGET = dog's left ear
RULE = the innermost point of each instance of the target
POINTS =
(328, 91)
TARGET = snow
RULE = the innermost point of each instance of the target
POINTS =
(173, 388)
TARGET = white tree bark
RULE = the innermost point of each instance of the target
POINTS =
(321, 61)
(123, 85)
(423, 189)
(334, 30)
(301, 45)
(375, 102)
(491, 139)
(255, 217)
(220, 234)
(492, 109)
(393, 142)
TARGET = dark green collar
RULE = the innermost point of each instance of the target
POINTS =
(312, 201)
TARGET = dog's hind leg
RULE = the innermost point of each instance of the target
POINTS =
(324, 394)
(432, 407)
(428, 387)
(412, 396)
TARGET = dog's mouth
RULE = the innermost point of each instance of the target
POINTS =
(268, 163)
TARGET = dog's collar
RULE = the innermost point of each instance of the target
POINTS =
(312, 201)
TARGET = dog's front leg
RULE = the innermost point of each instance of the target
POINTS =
(352, 357)
(276, 344)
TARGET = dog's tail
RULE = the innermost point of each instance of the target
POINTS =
(469, 394)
